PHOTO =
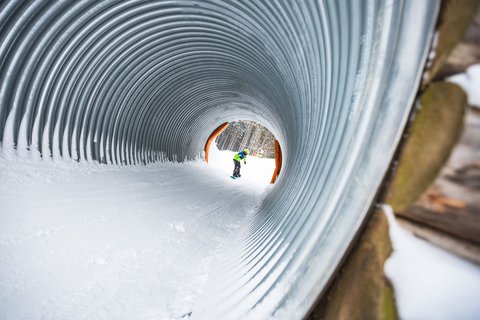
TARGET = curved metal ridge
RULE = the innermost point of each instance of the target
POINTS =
(131, 82)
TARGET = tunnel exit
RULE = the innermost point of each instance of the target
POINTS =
(255, 148)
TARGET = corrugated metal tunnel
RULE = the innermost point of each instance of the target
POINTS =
(132, 82)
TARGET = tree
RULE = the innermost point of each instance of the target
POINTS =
(247, 134)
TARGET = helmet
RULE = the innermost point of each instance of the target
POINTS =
(246, 151)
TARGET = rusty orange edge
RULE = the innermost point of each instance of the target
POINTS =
(278, 162)
(212, 137)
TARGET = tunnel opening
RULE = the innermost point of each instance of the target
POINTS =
(231, 138)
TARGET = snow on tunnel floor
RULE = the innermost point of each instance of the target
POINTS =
(88, 241)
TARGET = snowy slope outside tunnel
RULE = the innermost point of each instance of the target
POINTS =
(90, 241)
(429, 282)
(256, 174)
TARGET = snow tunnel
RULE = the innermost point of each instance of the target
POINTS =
(133, 82)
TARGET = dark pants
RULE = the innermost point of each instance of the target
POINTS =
(236, 170)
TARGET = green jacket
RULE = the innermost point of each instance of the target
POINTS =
(240, 156)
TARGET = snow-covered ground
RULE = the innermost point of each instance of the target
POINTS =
(470, 82)
(257, 173)
(89, 241)
(430, 283)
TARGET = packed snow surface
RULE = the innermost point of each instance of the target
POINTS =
(430, 283)
(90, 241)
(470, 82)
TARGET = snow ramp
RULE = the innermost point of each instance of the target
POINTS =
(136, 82)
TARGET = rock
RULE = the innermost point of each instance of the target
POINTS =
(466, 53)
(455, 18)
(360, 290)
(433, 134)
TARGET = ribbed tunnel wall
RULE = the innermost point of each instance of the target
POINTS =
(131, 82)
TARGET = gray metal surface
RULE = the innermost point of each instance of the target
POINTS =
(131, 82)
